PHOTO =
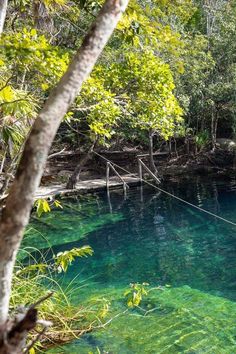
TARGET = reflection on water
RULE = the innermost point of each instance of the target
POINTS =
(150, 237)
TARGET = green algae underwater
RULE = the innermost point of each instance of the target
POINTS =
(186, 256)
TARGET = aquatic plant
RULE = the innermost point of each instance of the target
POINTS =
(135, 294)
(84, 218)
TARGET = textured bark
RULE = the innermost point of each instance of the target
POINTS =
(74, 178)
(3, 12)
(15, 215)
(17, 332)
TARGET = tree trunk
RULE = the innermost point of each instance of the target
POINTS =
(175, 145)
(234, 160)
(15, 215)
(73, 179)
(3, 162)
(152, 163)
(186, 142)
(170, 146)
(41, 16)
(3, 12)
(214, 125)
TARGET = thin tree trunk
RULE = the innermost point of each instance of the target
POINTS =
(152, 163)
(186, 142)
(15, 215)
(214, 125)
(188, 147)
(73, 179)
(170, 146)
(3, 162)
(175, 144)
(3, 12)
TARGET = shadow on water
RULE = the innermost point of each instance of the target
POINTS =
(150, 237)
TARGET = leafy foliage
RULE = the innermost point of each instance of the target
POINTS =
(64, 259)
(158, 72)
(31, 54)
(136, 293)
(43, 206)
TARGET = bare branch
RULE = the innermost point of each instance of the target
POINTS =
(35, 340)
(44, 298)
(15, 101)
(56, 154)
(6, 83)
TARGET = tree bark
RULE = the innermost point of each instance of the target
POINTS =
(73, 179)
(152, 163)
(3, 12)
(15, 215)
(214, 125)
(170, 146)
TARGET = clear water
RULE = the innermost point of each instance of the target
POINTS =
(150, 237)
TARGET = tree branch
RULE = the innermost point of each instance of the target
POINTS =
(56, 154)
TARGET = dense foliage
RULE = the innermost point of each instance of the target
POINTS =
(170, 67)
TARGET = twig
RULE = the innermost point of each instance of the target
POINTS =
(3, 197)
(71, 23)
(6, 83)
(18, 100)
(41, 300)
(27, 349)
(3, 162)
(152, 310)
(56, 154)
(111, 319)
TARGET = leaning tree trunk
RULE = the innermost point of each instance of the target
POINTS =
(152, 163)
(3, 12)
(16, 213)
(73, 179)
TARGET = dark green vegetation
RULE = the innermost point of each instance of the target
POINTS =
(168, 72)
(188, 259)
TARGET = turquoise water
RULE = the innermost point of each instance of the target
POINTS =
(150, 237)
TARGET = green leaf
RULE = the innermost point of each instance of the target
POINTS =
(42, 206)
(57, 204)
(64, 259)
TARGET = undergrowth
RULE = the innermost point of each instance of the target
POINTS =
(34, 278)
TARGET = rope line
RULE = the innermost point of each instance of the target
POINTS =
(168, 193)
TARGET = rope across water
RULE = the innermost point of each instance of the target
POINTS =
(168, 193)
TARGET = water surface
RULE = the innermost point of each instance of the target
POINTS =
(151, 237)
